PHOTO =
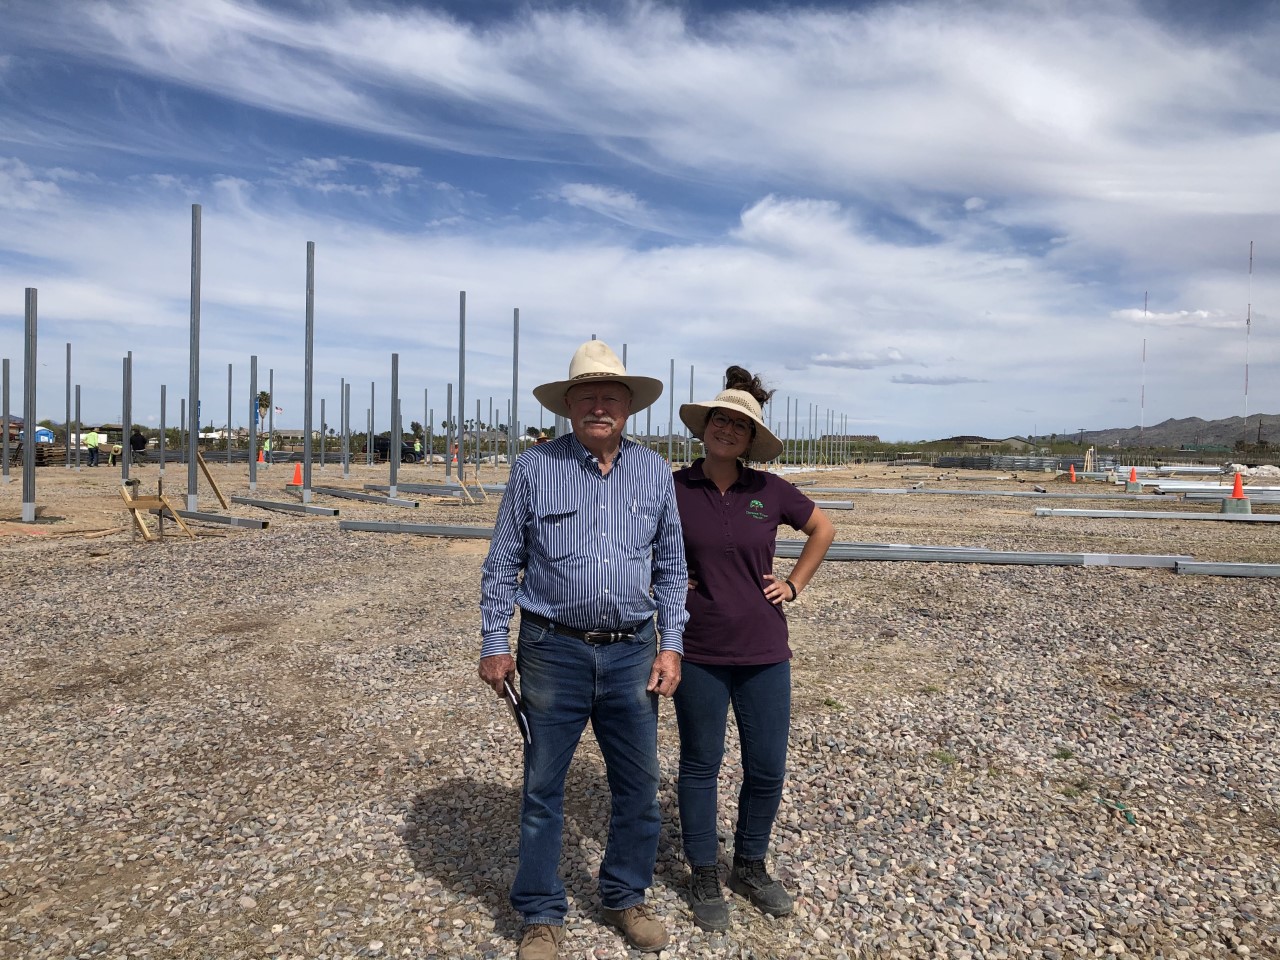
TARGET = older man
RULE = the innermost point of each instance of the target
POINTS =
(590, 519)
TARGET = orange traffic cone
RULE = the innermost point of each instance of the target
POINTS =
(1133, 474)
(261, 458)
(1071, 469)
(297, 474)
(1237, 492)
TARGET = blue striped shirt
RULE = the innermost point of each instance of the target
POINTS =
(591, 546)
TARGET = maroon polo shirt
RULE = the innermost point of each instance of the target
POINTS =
(729, 542)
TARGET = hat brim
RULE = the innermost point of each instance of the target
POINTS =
(764, 446)
(644, 391)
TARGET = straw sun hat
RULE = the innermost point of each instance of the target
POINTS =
(764, 445)
(594, 361)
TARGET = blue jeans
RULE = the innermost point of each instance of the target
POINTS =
(565, 682)
(761, 698)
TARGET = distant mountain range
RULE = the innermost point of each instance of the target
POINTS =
(1190, 432)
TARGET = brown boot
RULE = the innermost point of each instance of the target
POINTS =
(541, 941)
(640, 925)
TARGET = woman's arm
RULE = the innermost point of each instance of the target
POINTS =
(820, 532)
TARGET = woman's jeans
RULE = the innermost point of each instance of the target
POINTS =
(761, 698)
(565, 682)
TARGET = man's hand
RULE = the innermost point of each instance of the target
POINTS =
(495, 669)
(665, 675)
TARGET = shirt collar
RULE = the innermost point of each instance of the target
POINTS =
(588, 458)
(697, 474)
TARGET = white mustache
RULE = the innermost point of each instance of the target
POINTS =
(606, 420)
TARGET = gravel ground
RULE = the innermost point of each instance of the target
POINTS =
(273, 743)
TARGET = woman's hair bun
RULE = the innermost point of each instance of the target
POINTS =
(739, 378)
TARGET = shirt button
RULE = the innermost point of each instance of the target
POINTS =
(606, 559)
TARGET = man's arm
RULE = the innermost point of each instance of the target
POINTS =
(670, 586)
(508, 554)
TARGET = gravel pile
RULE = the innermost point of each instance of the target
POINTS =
(274, 744)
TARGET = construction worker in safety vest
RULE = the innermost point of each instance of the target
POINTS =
(91, 442)
(266, 449)
(417, 449)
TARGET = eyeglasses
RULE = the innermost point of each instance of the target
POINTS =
(739, 427)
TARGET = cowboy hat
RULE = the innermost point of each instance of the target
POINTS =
(594, 362)
(764, 445)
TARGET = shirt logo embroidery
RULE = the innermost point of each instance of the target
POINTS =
(755, 509)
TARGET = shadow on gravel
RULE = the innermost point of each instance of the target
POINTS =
(466, 834)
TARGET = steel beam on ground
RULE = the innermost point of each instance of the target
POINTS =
(835, 504)
(287, 507)
(1159, 515)
(1211, 569)
(986, 493)
(437, 489)
(790, 549)
(423, 529)
(249, 522)
(366, 497)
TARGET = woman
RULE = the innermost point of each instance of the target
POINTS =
(735, 644)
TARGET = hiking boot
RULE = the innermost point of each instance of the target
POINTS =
(750, 879)
(640, 925)
(541, 941)
(710, 911)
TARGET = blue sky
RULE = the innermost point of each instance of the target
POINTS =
(930, 217)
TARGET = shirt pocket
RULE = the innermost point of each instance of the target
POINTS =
(640, 524)
(556, 526)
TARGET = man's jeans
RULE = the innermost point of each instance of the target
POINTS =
(761, 697)
(565, 682)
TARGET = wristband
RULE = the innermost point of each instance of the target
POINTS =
(794, 592)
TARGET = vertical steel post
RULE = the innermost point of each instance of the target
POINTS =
(671, 411)
(78, 430)
(4, 441)
(68, 422)
(477, 439)
(688, 434)
(228, 434)
(426, 426)
(448, 431)
(431, 415)
(346, 432)
(395, 436)
(493, 451)
(307, 385)
(28, 413)
(786, 431)
(182, 430)
(162, 436)
(368, 446)
(126, 405)
(253, 422)
(462, 381)
(193, 386)
(271, 413)
(323, 435)
(628, 429)
(514, 414)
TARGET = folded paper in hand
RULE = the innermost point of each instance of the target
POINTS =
(517, 710)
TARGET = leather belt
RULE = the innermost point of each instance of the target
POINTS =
(597, 638)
